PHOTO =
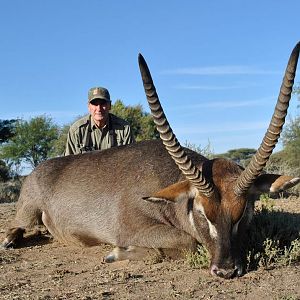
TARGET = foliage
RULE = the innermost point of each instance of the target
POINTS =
(60, 144)
(141, 122)
(291, 143)
(276, 163)
(206, 151)
(199, 259)
(10, 190)
(266, 202)
(273, 238)
(4, 171)
(281, 256)
(6, 130)
(241, 156)
(32, 142)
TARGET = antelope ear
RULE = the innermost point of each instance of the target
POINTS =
(283, 183)
(173, 193)
(274, 183)
(158, 200)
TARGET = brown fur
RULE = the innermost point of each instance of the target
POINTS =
(174, 191)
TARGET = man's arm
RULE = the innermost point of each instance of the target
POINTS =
(71, 144)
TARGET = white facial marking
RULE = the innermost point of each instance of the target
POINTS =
(250, 214)
(192, 222)
(212, 229)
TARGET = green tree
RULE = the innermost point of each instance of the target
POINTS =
(241, 156)
(7, 128)
(141, 122)
(32, 143)
(4, 171)
(60, 144)
(7, 131)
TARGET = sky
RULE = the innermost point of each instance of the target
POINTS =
(217, 65)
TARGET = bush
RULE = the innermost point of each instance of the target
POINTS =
(199, 259)
(273, 238)
(10, 190)
(4, 171)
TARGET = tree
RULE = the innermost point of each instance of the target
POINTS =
(241, 156)
(32, 142)
(7, 130)
(141, 122)
(4, 171)
(60, 144)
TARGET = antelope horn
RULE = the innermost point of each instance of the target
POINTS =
(272, 135)
(191, 172)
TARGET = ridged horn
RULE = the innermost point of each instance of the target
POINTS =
(191, 172)
(272, 135)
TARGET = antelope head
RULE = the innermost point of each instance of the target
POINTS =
(223, 193)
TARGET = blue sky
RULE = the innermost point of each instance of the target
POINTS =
(217, 65)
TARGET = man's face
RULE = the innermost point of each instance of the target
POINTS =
(99, 110)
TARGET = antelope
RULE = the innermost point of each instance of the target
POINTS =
(154, 196)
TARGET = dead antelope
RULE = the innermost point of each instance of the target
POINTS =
(100, 197)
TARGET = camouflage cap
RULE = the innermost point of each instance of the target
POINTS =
(98, 93)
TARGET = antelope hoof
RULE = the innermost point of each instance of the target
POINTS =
(113, 255)
(13, 238)
(110, 258)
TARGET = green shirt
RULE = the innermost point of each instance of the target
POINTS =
(85, 136)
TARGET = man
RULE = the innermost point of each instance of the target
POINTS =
(99, 129)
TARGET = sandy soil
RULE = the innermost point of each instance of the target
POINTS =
(49, 270)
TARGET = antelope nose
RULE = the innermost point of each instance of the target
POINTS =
(223, 273)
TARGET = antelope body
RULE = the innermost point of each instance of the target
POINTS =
(154, 196)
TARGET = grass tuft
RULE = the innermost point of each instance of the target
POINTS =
(274, 237)
(199, 259)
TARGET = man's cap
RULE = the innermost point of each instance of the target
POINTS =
(98, 93)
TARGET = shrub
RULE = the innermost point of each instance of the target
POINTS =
(4, 171)
(199, 259)
(273, 238)
(10, 190)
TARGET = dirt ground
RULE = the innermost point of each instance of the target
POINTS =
(49, 270)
